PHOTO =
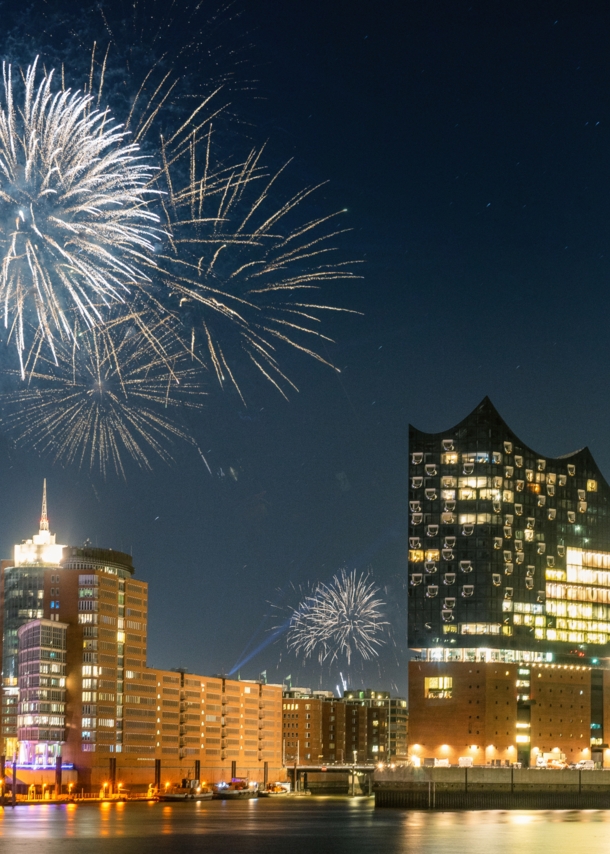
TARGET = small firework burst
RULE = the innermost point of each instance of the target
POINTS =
(342, 618)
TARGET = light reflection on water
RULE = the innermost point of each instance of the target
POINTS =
(292, 826)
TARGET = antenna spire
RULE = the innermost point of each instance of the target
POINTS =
(44, 522)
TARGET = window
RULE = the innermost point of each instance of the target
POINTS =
(438, 687)
(467, 494)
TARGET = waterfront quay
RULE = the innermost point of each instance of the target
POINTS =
(491, 788)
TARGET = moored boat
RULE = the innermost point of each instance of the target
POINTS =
(238, 789)
(274, 790)
(189, 790)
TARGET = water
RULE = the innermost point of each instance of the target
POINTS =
(292, 826)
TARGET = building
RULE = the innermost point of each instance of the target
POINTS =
(313, 725)
(319, 728)
(76, 685)
(23, 581)
(509, 596)
(389, 736)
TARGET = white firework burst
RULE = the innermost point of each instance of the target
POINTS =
(77, 231)
(342, 618)
(122, 396)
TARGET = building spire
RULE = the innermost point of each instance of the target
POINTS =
(44, 522)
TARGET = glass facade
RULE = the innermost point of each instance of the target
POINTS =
(42, 692)
(508, 550)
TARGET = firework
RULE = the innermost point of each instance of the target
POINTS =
(343, 618)
(195, 246)
(76, 227)
(121, 396)
(244, 270)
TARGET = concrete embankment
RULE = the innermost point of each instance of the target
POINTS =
(491, 788)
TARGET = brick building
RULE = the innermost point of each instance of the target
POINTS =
(75, 682)
(320, 728)
(389, 736)
(509, 597)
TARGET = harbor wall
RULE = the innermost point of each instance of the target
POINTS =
(491, 788)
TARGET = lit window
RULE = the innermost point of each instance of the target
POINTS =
(438, 687)
(467, 494)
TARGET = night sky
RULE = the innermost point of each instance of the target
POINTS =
(469, 144)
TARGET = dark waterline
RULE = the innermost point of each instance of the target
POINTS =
(315, 826)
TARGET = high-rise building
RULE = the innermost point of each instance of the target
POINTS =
(24, 581)
(509, 591)
(76, 685)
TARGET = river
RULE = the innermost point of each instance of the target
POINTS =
(292, 826)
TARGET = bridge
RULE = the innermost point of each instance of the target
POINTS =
(298, 774)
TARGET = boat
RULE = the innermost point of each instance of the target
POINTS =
(274, 790)
(238, 789)
(188, 790)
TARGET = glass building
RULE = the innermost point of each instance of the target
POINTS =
(509, 550)
(41, 721)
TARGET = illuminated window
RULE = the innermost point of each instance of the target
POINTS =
(475, 457)
(438, 687)
(591, 486)
(467, 494)
(450, 459)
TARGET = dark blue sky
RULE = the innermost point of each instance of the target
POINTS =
(469, 143)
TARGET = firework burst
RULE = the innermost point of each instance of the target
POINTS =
(76, 228)
(194, 245)
(343, 618)
(244, 270)
(121, 397)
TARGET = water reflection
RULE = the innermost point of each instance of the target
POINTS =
(301, 825)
